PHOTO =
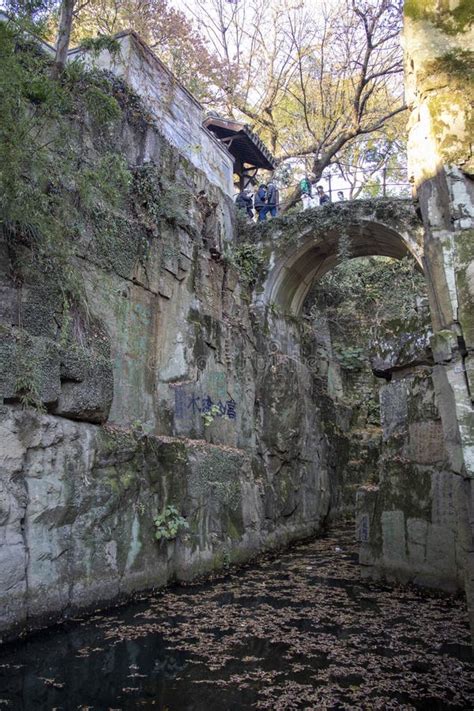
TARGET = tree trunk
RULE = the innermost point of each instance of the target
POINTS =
(64, 33)
(314, 175)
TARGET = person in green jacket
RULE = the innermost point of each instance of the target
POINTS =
(305, 190)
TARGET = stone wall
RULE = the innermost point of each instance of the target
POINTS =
(167, 386)
(160, 388)
(177, 112)
(407, 522)
(439, 63)
(79, 501)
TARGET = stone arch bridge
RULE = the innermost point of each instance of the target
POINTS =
(302, 247)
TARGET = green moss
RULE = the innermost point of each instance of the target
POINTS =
(122, 478)
(171, 454)
(127, 478)
(419, 9)
(452, 21)
(458, 66)
(101, 107)
(51, 184)
(465, 257)
(249, 260)
(443, 107)
(406, 488)
(465, 247)
(96, 45)
(235, 529)
(161, 198)
(111, 440)
(218, 475)
(453, 75)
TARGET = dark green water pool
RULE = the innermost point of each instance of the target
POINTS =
(299, 630)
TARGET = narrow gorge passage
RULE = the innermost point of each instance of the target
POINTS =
(297, 630)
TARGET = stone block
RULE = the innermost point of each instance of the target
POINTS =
(366, 505)
(184, 265)
(421, 397)
(394, 408)
(407, 347)
(40, 310)
(444, 505)
(89, 399)
(417, 532)
(29, 367)
(46, 359)
(446, 394)
(7, 363)
(186, 245)
(441, 553)
(4, 259)
(74, 363)
(443, 344)
(464, 240)
(469, 367)
(166, 286)
(426, 443)
(393, 536)
(170, 259)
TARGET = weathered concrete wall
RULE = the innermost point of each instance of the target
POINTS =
(439, 62)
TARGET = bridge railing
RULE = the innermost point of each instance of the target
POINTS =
(392, 190)
(387, 190)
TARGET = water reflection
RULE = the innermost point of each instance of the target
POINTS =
(300, 630)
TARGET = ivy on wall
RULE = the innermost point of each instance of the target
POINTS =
(47, 184)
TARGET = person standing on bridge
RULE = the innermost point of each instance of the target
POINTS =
(260, 202)
(243, 202)
(305, 190)
(324, 199)
(272, 199)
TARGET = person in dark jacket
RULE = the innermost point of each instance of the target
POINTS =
(260, 202)
(323, 197)
(243, 201)
(272, 199)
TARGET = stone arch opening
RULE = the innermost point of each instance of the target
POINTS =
(365, 339)
(315, 247)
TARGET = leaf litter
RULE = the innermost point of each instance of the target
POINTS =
(298, 630)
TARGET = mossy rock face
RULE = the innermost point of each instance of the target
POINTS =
(115, 445)
(421, 398)
(119, 243)
(218, 476)
(438, 38)
(70, 380)
(465, 282)
(406, 488)
(450, 108)
(207, 334)
(457, 67)
(450, 20)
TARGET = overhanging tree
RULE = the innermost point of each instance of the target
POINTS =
(311, 80)
(166, 30)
